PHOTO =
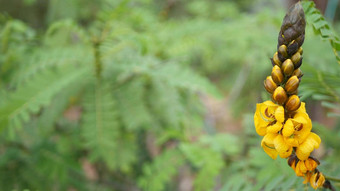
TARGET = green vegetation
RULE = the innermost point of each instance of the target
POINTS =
(122, 95)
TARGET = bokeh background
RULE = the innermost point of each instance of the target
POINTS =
(146, 95)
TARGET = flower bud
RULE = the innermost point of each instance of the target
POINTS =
(292, 84)
(276, 59)
(283, 50)
(292, 47)
(296, 58)
(293, 103)
(297, 73)
(298, 64)
(277, 75)
(287, 67)
(300, 51)
(269, 84)
(280, 95)
(292, 160)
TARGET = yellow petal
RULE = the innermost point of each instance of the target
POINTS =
(269, 138)
(274, 128)
(259, 122)
(291, 141)
(282, 148)
(270, 151)
(302, 166)
(303, 133)
(288, 128)
(316, 138)
(302, 108)
(270, 104)
(261, 130)
(280, 114)
(304, 129)
(312, 142)
(307, 177)
(301, 118)
(266, 111)
(317, 180)
(267, 144)
(311, 164)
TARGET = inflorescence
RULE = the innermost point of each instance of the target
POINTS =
(283, 122)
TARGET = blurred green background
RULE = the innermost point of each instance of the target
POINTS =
(146, 95)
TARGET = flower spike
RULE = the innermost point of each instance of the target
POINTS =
(284, 122)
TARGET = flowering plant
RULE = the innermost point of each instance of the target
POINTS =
(283, 122)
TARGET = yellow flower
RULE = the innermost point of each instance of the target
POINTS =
(312, 142)
(267, 144)
(296, 129)
(307, 177)
(302, 167)
(273, 144)
(282, 148)
(268, 118)
(311, 164)
(317, 180)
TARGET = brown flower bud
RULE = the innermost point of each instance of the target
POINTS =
(280, 95)
(296, 58)
(269, 84)
(287, 67)
(277, 75)
(292, 84)
(292, 47)
(293, 103)
(297, 73)
(283, 50)
(300, 50)
(276, 59)
(292, 161)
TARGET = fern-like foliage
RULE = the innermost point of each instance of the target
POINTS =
(134, 111)
(36, 93)
(161, 171)
(321, 26)
(323, 86)
(101, 128)
(322, 79)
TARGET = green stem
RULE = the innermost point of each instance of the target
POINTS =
(332, 178)
(97, 62)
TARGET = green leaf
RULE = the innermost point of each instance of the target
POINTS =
(37, 93)
(320, 26)
(160, 172)
(184, 78)
(101, 129)
(133, 106)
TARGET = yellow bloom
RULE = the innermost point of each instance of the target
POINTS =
(311, 164)
(267, 144)
(307, 177)
(302, 167)
(282, 148)
(273, 144)
(312, 142)
(317, 180)
(296, 129)
(268, 118)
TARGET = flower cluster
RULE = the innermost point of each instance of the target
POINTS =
(283, 122)
(281, 134)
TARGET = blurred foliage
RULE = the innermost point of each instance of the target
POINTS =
(107, 95)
